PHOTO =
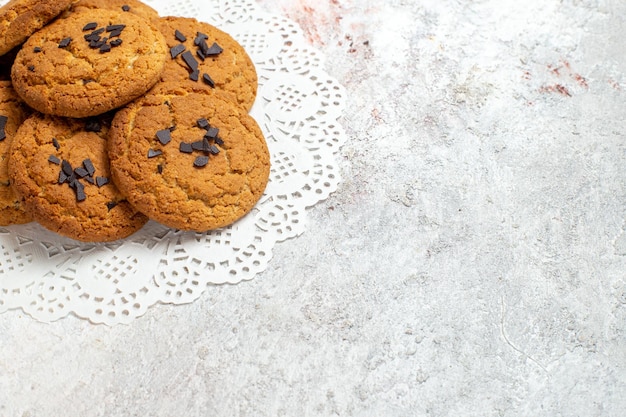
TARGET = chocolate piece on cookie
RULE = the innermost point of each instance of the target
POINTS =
(13, 112)
(130, 6)
(188, 157)
(202, 53)
(21, 18)
(59, 167)
(88, 63)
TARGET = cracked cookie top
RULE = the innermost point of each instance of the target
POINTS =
(188, 157)
(59, 167)
(88, 63)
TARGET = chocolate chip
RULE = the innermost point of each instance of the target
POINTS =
(89, 166)
(126, 8)
(212, 133)
(202, 123)
(194, 75)
(65, 42)
(215, 49)
(208, 80)
(67, 167)
(90, 26)
(111, 205)
(95, 35)
(80, 191)
(89, 179)
(219, 141)
(185, 147)
(200, 37)
(177, 50)
(116, 42)
(62, 177)
(201, 161)
(200, 145)
(191, 62)
(3, 123)
(105, 48)
(36, 49)
(101, 181)
(179, 36)
(214, 150)
(160, 169)
(153, 153)
(81, 172)
(31, 68)
(55, 143)
(164, 136)
(54, 160)
(115, 30)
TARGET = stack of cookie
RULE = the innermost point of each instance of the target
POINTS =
(111, 115)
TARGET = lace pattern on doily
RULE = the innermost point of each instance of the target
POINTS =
(298, 107)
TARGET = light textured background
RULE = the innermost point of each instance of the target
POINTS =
(472, 263)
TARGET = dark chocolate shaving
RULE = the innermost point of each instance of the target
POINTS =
(194, 75)
(65, 42)
(215, 49)
(101, 181)
(160, 169)
(179, 36)
(200, 37)
(208, 80)
(111, 205)
(164, 136)
(54, 160)
(90, 26)
(89, 166)
(191, 62)
(212, 133)
(177, 50)
(116, 42)
(67, 168)
(37, 49)
(81, 172)
(201, 161)
(55, 143)
(105, 48)
(79, 189)
(31, 68)
(153, 153)
(3, 123)
(185, 147)
(126, 8)
(202, 123)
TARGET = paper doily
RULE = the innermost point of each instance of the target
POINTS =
(298, 107)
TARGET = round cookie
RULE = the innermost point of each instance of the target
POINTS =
(231, 70)
(131, 6)
(21, 18)
(12, 114)
(89, 63)
(59, 167)
(189, 158)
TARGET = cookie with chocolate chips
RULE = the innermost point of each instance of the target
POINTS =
(12, 114)
(188, 157)
(59, 168)
(201, 53)
(21, 18)
(88, 63)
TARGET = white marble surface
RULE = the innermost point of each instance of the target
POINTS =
(472, 263)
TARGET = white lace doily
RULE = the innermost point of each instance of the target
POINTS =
(298, 106)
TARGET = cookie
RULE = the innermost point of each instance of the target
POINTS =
(202, 53)
(188, 157)
(59, 167)
(12, 114)
(89, 63)
(131, 6)
(21, 18)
